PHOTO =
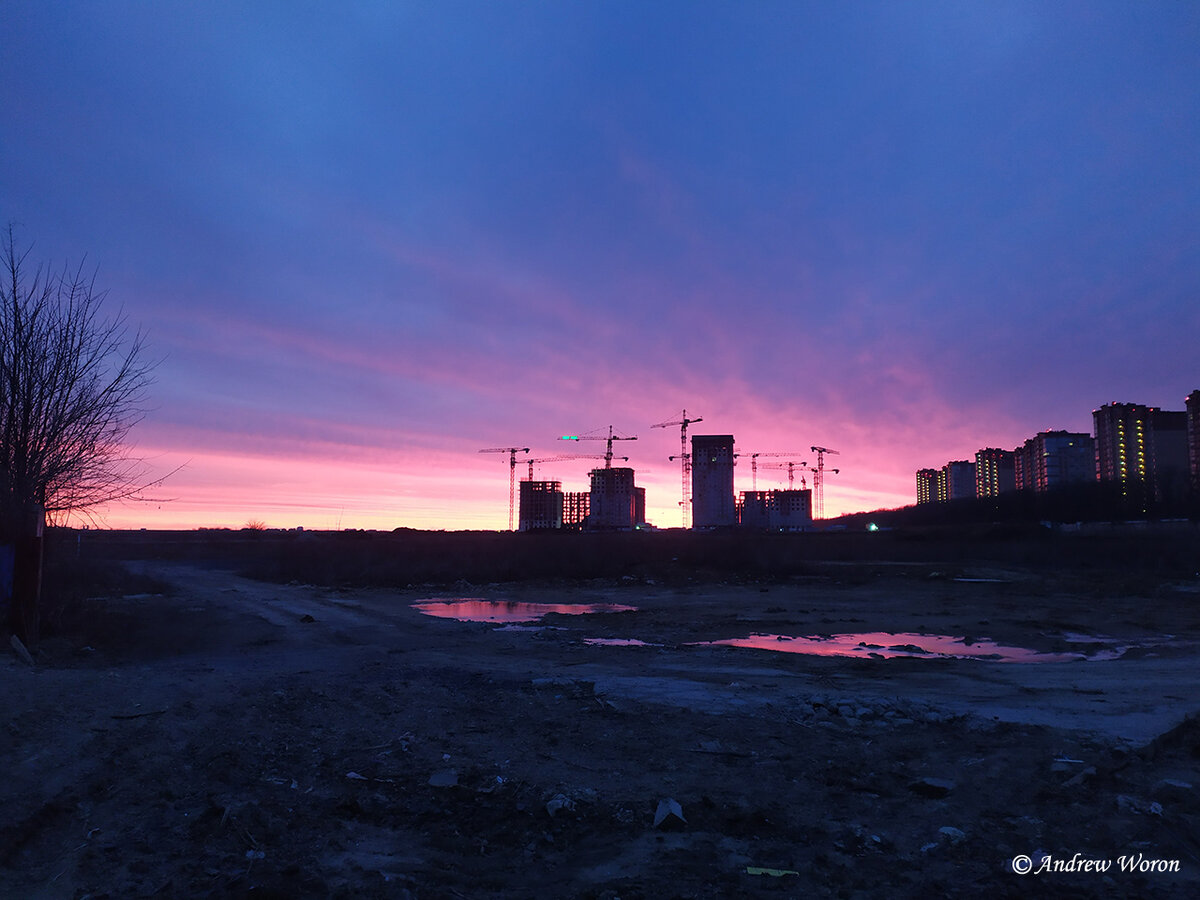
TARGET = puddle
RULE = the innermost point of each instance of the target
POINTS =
(515, 615)
(510, 611)
(883, 645)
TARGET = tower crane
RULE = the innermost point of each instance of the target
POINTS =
(608, 455)
(685, 460)
(512, 474)
(791, 470)
(754, 465)
(821, 473)
(819, 477)
(546, 459)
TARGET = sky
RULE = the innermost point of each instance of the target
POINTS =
(368, 240)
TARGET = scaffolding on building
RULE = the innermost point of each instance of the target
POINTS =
(577, 505)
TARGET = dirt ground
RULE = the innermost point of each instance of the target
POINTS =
(236, 738)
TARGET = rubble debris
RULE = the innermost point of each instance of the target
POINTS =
(952, 834)
(138, 715)
(1126, 803)
(20, 650)
(668, 810)
(773, 873)
(933, 788)
(1080, 777)
(1172, 789)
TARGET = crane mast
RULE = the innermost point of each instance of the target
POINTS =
(512, 474)
(685, 504)
(819, 477)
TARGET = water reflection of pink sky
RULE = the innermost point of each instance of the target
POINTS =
(879, 644)
(510, 610)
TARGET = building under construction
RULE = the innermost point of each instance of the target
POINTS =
(775, 510)
(617, 504)
(614, 503)
(712, 481)
(541, 505)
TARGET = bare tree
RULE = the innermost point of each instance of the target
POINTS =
(72, 385)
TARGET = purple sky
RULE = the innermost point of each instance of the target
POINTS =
(368, 240)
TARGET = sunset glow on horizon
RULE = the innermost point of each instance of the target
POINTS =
(366, 243)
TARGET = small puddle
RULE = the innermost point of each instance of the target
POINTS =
(510, 611)
(883, 645)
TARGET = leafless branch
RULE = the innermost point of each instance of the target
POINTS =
(72, 385)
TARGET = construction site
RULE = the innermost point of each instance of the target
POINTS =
(686, 714)
(708, 499)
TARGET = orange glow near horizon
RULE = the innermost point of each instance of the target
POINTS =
(341, 461)
(324, 476)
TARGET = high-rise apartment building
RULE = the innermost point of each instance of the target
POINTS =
(1123, 434)
(1023, 467)
(1172, 474)
(956, 480)
(1142, 448)
(995, 472)
(712, 481)
(1054, 459)
(1193, 439)
(927, 485)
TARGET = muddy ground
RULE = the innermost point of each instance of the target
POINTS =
(231, 737)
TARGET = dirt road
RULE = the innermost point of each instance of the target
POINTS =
(235, 737)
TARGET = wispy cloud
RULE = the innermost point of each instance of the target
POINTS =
(368, 245)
